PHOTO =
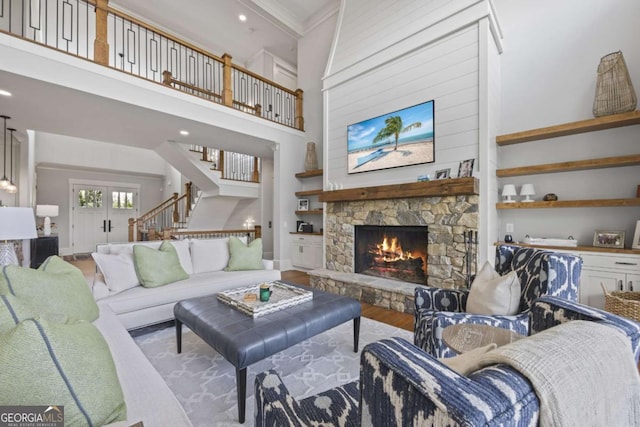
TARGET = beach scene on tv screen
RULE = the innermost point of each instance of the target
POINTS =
(401, 138)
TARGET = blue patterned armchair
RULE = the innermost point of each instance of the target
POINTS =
(541, 272)
(402, 385)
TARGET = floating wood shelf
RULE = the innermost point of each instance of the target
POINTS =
(605, 162)
(308, 193)
(309, 174)
(578, 248)
(438, 188)
(596, 203)
(590, 125)
(310, 212)
(315, 233)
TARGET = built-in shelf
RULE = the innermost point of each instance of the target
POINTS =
(438, 188)
(573, 128)
(310, 212)
(594, 203)
(309, 174)
(308, 193)
(578, 248)
(605, 162)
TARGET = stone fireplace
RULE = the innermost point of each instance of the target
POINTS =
(392, 251)
(447, 211)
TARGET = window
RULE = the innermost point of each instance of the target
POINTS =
(122, 199)
(90, 198)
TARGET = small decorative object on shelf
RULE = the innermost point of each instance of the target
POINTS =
(614, 90)
(609, 239)
(303, 204)
(443, 173)
(636, 237)
(508, 191)
(550, 197)
(508, 238)
(424, 178)
(527, 190)
(311, 158)
(466, 168)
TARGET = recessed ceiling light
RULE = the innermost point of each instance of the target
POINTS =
(5, 92)
(184, 132)
(242, 17)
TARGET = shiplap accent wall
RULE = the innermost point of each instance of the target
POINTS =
(387, 58)
(446, 71)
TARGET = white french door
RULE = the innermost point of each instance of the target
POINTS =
(101, 214)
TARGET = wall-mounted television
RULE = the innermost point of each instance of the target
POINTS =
(401, 138)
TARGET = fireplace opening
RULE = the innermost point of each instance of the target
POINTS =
(392, 251)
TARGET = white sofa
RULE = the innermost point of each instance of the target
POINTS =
(149, 399)
(204, 260)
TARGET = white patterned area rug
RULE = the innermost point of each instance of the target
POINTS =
(205, 383)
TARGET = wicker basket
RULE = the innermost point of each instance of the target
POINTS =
(622, 303)
(614, 91)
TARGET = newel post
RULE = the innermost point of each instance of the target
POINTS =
(221, 163)
(258, 231)
(187, 209)
(299, 119)
(227, 92)
(100, 44)
(256, 173)
(176, 213)
(167, 78)
(131, 228)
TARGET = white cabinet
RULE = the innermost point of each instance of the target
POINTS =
(618, 272)
(306, 251)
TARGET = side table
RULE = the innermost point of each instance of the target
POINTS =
(464, 337)
(42, 248)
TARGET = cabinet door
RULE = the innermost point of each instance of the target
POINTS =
(590, 290)
(297, 251)
(633, 282)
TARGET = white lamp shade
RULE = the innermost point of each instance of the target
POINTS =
(527, 190)
(17, 224)
(509, 190)
(46, 210)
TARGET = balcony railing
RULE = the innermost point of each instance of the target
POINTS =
(93, 30)
(232, 166)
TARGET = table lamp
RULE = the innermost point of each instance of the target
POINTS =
(15, 224)
(46, 211)
(508, 191)
(526, 191)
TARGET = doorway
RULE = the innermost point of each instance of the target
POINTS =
(100, 214)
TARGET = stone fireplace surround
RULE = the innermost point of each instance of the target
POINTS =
(447, 207)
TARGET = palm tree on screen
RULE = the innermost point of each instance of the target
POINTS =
(394, 127)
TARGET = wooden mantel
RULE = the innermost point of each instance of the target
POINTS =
(438, 188)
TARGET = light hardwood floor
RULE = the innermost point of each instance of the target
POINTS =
(391, 317)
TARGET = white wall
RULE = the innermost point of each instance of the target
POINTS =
(60, 149)
(548, 76)
(313, 52)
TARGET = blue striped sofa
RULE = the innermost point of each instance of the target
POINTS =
(400, 384)
(541, 272)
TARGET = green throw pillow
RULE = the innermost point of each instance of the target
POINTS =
(243, 257)
(158, 267)
(14, 310)
(57, 288)
(61, 364)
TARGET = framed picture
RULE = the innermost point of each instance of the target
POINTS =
(636, 237)
(303, 204)
(443, 173)
(424, 178)
(400, 138)
(466, 168)
(609, 239)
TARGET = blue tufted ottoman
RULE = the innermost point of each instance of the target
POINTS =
(244, 340)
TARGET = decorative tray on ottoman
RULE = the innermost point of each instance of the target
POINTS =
(282, 296)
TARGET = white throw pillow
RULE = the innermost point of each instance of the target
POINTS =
(209, 254)
(493, 294)
(182, 247)
(127, 248)
(118, 270)
(467, 362)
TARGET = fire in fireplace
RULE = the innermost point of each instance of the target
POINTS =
(392, 251)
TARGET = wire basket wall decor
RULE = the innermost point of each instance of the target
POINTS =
(614, 90)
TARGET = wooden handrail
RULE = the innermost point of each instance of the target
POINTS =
(254, 75)
(168, 80)
(163, 33)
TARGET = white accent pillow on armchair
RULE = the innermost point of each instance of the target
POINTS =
(493, 294)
